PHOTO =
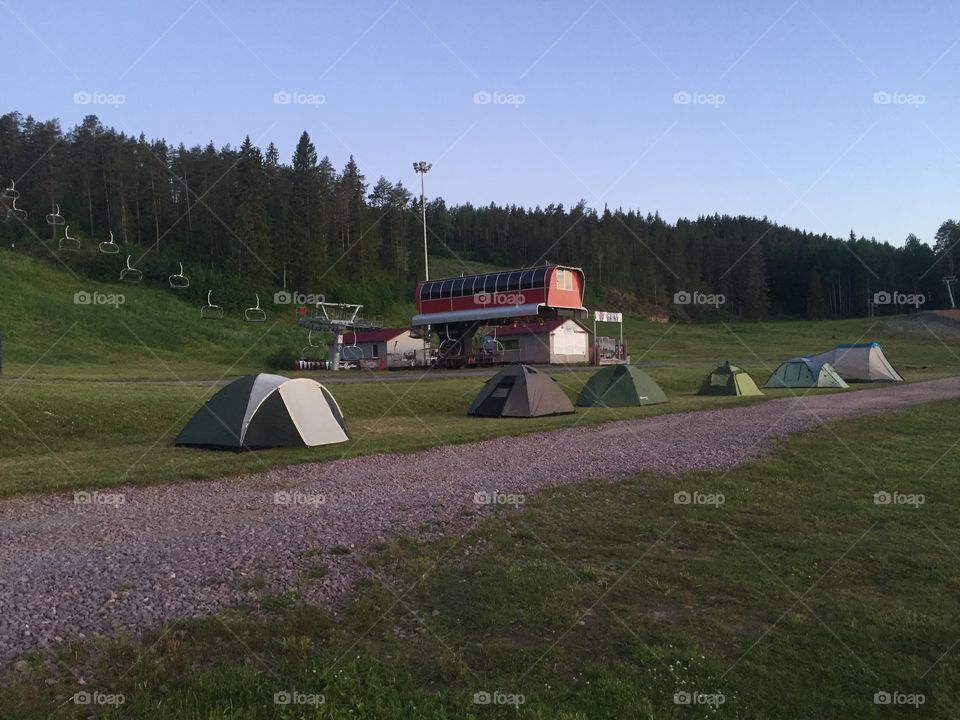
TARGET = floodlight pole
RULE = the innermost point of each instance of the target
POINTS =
(422, 168)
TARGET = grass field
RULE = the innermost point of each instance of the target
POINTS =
(798, 596)
(64, 435)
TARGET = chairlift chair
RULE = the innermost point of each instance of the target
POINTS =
(492, 346)
(352, 352)
(179, 281)
(55, 218)
(450, 346)
(10, 193)
(130, 274)
(211, 311)
(255, 314)
(67, 242)
(14, 212)
(109, 247)
(305, 352)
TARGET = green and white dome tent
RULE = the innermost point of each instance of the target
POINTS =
(264, 411)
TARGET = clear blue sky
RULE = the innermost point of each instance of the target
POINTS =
(782, 121)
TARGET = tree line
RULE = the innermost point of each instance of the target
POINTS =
(241, 217)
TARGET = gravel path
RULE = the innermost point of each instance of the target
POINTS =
(131, 558)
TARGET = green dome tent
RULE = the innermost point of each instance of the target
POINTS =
(265, 411)
(805, 373)
(729, 380)
(520, 391)
(620, 386)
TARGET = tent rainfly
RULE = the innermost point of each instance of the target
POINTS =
(860, 362)
(265, 411)
(805, 373)
(520, 391)
(620, 386)
(729, 380)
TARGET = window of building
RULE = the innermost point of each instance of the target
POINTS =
(564, 279)
(376, 350)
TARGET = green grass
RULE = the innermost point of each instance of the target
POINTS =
(797, 597)
(70, 436)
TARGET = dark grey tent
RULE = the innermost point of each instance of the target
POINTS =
(264, 411)
(520, 391)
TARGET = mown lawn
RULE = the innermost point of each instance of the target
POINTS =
(797, 597)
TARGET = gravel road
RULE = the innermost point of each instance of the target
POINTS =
(133, 557)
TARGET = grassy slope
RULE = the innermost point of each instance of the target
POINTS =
(56, 436)
(602, 601)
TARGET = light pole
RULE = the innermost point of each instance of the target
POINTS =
(422, 168)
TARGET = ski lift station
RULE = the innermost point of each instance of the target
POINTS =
(457, 308)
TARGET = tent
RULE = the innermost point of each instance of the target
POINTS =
(860, 362)
(805, 373)
(729, 380)
(620, 386)
(520, 391)
(264, 411)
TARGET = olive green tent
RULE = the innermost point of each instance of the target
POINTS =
(805, 373)
(264, 411)
(520, 391)
(620, 386)
(729, 380)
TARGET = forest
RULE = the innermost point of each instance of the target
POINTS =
(242, 217)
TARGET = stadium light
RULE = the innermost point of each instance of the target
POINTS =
(423, 168)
